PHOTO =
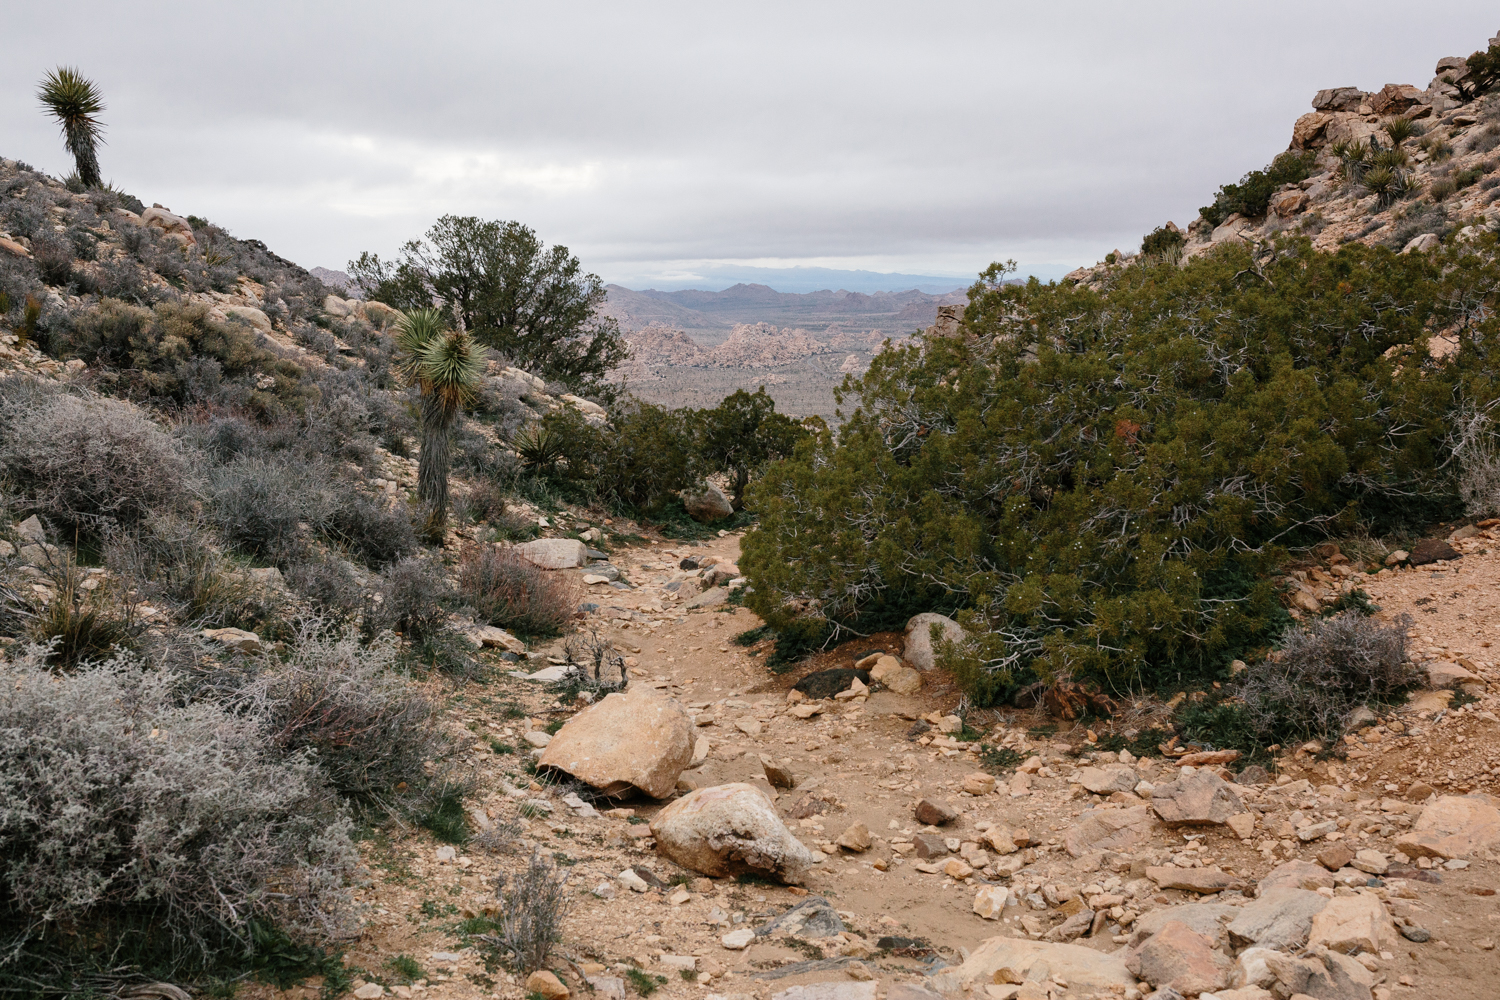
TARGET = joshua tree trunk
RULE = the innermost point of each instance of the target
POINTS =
(432, 466)
(85, 157)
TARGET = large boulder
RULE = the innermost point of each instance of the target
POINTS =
(706, 503)
(1109, 829)
(1453, 826)
(1323, 974)
(631, 740)
(920, 652)
(554, 553)
(174, 227)
(250, 316)
(1307, 131)
(1198, 799)
(1395, 99)
(1295, 875)
(727, 830)
(1338, 99)
(1083, 969)
(1181, 958)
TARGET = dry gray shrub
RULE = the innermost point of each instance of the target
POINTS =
(1325, 670)
(414, 595)
(89, 461)
(509, 591)
(532, 908)
(124, 811)
(370, 729)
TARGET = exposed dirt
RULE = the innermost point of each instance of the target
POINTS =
(864, 763)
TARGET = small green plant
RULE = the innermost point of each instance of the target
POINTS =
(446, 818)
(501, 748)
(1400, 129)
(1467, 178)
(1439, 190)
(1462, 697)
(689, 975)
(540, 447)
(1380, 181)
(31, 315)
(998, 760)
(644, 983)
(405, 967)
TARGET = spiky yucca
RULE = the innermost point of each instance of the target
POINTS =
(75, 101)
(446, 366)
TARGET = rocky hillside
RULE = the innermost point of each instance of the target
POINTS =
(1402, 166)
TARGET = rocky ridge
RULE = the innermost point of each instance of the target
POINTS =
(1452, 175)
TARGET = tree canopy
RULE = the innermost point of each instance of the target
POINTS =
(1103, 481)
(534, 305)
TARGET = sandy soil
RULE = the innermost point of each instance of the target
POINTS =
(863, 763)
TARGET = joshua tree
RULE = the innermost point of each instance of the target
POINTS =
(446, 365)
(76, 102)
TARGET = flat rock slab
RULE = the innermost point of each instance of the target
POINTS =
(848, 990)
(1295, 875)
(814, 917)
(1278, 919)
(1083, 968)
(1108, 829)
(1202, 880)
(554, 553)
(1198, 799)
(1352, 924)
(1201, 918)
(1103, 780)
(1453, 826)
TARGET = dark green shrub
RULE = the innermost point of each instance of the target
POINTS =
(1162, 241)
(738, 437)
(1252, 195)
(1103, 481)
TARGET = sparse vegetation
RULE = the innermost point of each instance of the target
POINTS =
(1251, 196)
(532, 906)
(508, 591)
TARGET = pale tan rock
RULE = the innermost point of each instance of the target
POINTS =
(250, 316)
(880, 666)
(1109, 829)
(1243, 825)
(174, 226)
(1209, 879)
(1000, 839)
(957, 868)
(1352, 924)
(979, 783)
(903, 681)
(1083, 969)
(547, 984)
(750, 727)
(920, 652)
(1104, 780)
(729, 830)
(553, 553)
(989, 901)
(856, 838)
(1453, 826)
(1199, 799)
(1178, 957)
(234, 638)
(636, 739)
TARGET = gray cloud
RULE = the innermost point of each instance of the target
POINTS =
(656, 139)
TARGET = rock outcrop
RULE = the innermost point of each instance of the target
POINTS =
(727, 830)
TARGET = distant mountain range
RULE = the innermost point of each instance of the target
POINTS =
(802, 279)
(709, 317)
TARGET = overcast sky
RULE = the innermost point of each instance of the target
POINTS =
(666, 142)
